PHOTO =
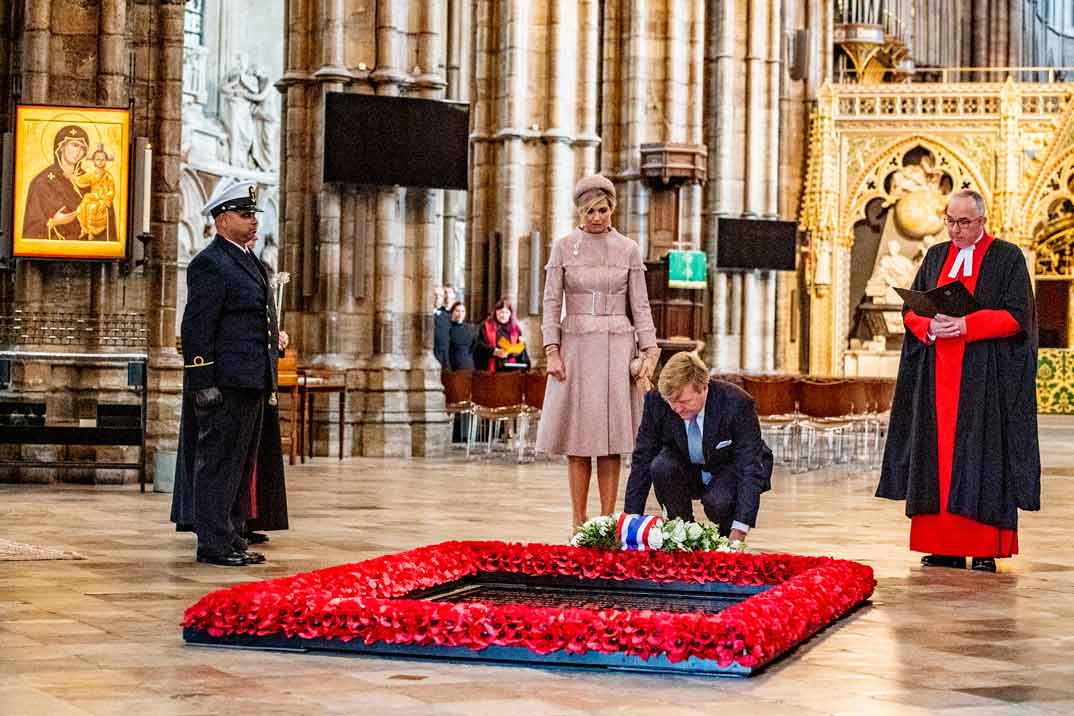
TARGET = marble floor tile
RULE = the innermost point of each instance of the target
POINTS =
(102, 635)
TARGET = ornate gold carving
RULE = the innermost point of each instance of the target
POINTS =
(1013, 142)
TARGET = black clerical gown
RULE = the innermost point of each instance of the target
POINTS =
(995, 464)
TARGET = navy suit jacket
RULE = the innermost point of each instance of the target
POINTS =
(229, 330)
(731, 442)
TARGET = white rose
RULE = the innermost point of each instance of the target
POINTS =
(656, 539)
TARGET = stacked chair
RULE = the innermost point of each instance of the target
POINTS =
(776, 400)
(813, 421)
(457, 389)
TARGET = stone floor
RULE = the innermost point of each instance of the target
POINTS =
(102, 636)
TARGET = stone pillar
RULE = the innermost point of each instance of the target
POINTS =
(164, 131)
(481, 206)
(588, 54)
(770, 331)
(563, 129)
(720, 77)
(330, 76)
(458, 73)
(753, 324)
(514, 113)
(756, 93)
(112, 65)
(634, 212)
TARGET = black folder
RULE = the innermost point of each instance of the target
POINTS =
(951, 299)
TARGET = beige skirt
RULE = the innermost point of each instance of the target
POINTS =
(596, 411)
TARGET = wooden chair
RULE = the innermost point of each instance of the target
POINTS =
(457, 387)
(287, 381)
(881, 393)
(827, 409)
(496, 398)
(534, 386)
(775, 399)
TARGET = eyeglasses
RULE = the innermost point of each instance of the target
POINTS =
(960, 223)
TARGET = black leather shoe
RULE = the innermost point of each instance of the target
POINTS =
(227, 559)
(255, 538)
(253, 557)
(943, 560)
(984, 564)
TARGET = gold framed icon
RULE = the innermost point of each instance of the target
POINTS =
(71, 182)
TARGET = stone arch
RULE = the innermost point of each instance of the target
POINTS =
(868, 184)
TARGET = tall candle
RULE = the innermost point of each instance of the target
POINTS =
(146, 188)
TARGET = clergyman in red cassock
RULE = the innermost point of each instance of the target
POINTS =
(962, 447)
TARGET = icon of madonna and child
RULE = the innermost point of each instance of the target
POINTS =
(73, 198)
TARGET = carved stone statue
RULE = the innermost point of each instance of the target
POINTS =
(894, 269)
(241, 92)
(266, 114)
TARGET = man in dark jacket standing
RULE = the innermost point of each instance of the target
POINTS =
(230, 465)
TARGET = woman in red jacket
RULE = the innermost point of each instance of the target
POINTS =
(499, 341)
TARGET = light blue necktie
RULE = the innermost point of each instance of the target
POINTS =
(697, 454)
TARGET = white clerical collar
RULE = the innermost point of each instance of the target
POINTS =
(964, 260)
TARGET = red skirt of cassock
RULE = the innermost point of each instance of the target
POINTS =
(945, 533)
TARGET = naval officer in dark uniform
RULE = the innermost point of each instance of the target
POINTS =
(230, 464)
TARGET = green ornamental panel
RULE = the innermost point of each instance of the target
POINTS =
(1055, 381)
(687, 269)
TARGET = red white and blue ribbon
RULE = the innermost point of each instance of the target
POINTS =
(639, 532)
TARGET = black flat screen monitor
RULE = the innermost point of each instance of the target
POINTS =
(401, 141)
(757, 244)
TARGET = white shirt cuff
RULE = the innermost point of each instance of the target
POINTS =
(929, 338)
(736, 525)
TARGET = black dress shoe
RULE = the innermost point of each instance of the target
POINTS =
(255, 538)
(984, 564)
(943, 560)
(254, 557)
(226, 559)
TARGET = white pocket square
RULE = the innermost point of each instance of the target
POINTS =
(723, 444)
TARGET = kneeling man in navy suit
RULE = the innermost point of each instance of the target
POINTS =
(700, 440)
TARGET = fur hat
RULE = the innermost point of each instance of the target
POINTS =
(593, 182)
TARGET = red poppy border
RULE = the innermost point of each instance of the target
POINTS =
(361, 605)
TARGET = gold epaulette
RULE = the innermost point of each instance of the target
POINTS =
(199, 362)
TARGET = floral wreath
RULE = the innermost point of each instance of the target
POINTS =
(368, 602)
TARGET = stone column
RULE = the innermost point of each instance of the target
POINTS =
(720, 74)
(112, 65)
(35, 58)
(458, 71)
(771, 329)
(429, 422)
(386, 430)
(330, 76)
(561, 119)
(753, 327)
(482, 177)
(634, 212)
(756, 95)
(691, 195)
(514, 99)
(588, 53)
(164, 130)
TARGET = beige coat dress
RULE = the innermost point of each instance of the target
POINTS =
(589, 281)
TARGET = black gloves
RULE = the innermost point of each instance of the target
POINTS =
(208, 397)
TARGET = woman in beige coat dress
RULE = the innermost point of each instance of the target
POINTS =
(594, 283)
